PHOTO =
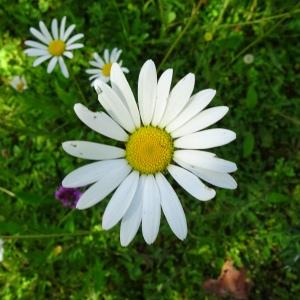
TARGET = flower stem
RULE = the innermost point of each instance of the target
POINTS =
(45, 236)
(181, 34)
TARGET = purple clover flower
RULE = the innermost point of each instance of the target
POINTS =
(68, 196)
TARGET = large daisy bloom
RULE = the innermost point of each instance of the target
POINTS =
(19, 83)
(102, 66)
(164, 132)
(54, 45)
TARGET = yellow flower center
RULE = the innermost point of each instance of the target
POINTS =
(149, 150)
(106, 69)
(20, 86)
(56, 47)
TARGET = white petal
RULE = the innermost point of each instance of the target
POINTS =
(179, 97)
(197, 102)
(52, 64)
(120, 201)
(54, 29)
(36, 52)
(113, 55)
(63, 67)
(68, 54)
(91, 173)
(90, 150)
(191, 183)
(151, 210)
(14, 82)
(38, 35)
(206, 139)
(95, 76)
(202, 120)
(106, 56)
(68, 32)
(163, 90)
(114, 106)
(121, 87)
(35, 45)
(147, 88)
(202, 159)
(98, 59)
(172, 207)
(74, 38)
(222, 180)
(45, 32)
(95, 64)
(125, 70)
(74, 46)
(62, 27)
(118, 53)
(100, 122)
(41, 59)
(133, 216)
(104, 186)
(92, 71)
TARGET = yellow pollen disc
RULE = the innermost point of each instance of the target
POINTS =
(106, 69)
(149, 150)
(56, 47)
(20, 86)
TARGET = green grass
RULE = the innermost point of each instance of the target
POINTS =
(257, 225)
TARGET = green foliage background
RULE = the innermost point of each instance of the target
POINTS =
(54, 253)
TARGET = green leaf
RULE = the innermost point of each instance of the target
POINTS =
(248, 144)
(276, 198)
(251, 99)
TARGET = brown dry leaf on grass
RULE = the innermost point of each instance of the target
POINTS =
(231, 282)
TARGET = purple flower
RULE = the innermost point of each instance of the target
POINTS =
(68, 196)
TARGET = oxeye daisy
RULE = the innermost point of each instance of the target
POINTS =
(102, 66)
(54, 45)
(19, 83)
(164, 132)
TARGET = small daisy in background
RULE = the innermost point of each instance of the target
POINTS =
(1, 250)
(68, 196)
(165, 130)
(248, 59)
(103, 66)
(54, 45)
(19, 83)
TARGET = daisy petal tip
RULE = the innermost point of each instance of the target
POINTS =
(124, 242)
(210, 195)
(77, 106)
(106, 225)
(79, 206)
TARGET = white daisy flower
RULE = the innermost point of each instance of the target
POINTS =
(54, 45)
(19, 83)
(166, 131)
(1, 250)
(103, 66)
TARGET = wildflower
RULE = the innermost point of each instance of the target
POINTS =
(1, 250)
(164, 132)
(208, 36)
(103, 66)
(54, 46)
(19, 83)
(68, 196)
(248, 59)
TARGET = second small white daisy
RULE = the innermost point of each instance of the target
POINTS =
(102, 66)
(19, 83)
(54, 46)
